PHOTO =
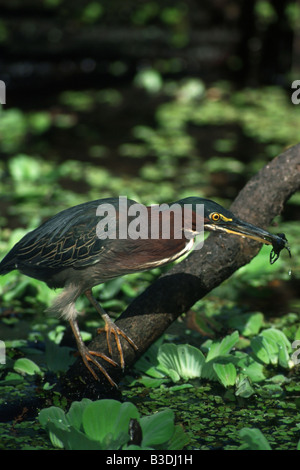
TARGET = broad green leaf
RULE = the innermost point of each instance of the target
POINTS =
(27, 366)
(149, 382)
(104, 421)
(272, 349)
(270, 390)
(250, 367)
(260, 349)
(148, 362)
(248, 324)
(53, 414)
(178, 440)
(74, 415)
(220, 348)
(54, 420)
(157, 428)
(12, 378)
(226, 373)
(244, 388)
(144, 365)
(284, 359)
(56, 435)
(182, 361)
(253, 440)
(277, 336)
(71, 439)
(272, 346)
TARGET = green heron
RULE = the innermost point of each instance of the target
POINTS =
(77, 250)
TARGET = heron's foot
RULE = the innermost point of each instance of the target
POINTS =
(89, 356)
(111, 328)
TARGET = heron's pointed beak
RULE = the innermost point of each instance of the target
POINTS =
(247, 230)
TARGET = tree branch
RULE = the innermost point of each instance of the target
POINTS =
(175, 292)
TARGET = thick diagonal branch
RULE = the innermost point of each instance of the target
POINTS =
(175, 292)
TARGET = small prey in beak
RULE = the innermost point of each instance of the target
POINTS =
(279, 245)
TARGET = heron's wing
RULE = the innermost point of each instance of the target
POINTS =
(68, 239)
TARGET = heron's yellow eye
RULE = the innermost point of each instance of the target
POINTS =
(215, 216)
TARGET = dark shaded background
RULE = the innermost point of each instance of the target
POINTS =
(49, 45)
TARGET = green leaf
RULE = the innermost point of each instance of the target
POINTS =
(244, 388)
(248, 324)
(182, 361)
(297, 334)
(58, 358)
(74, 415)
(157, 428)
(226, 373)
(272, 346)
(270, 390)
(27, 366)
(150, 382)
(253, 440)
(176, 388)
(107, 421)
(144, 364)
(284, 359)
(148, 362)
(12, 379)
(277, 335)
(260, 349)
(178, 440)
(218, 348)
(53, 413)
(55, 421)
(71, 439)
(250, 367)
(57, 436)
